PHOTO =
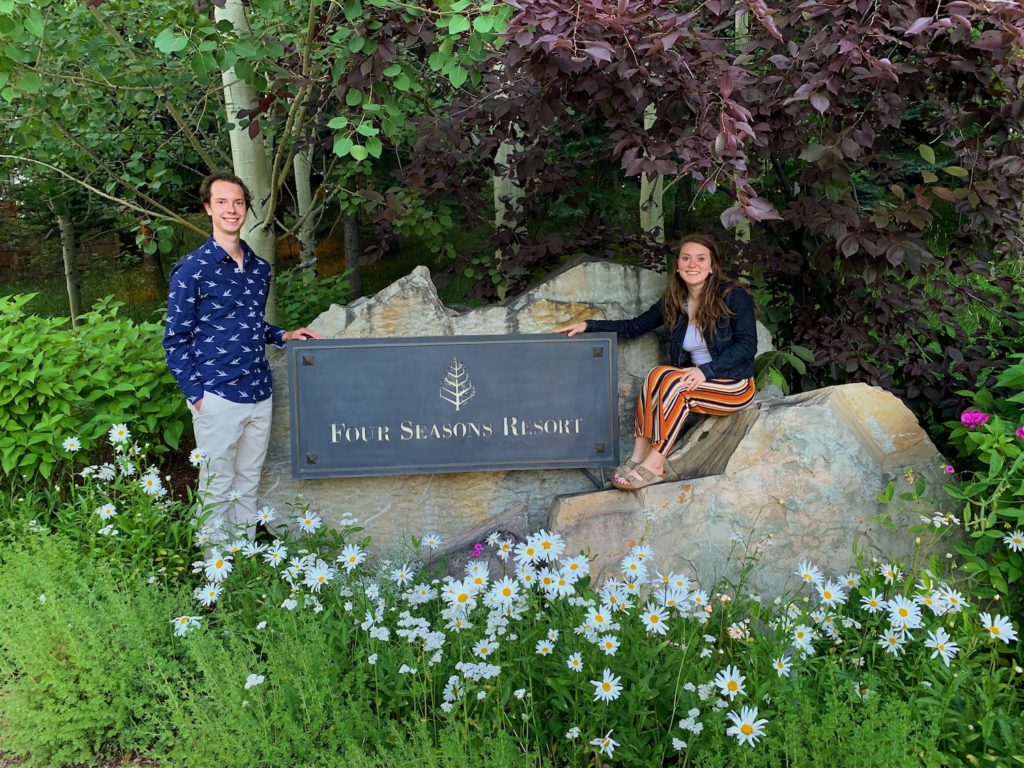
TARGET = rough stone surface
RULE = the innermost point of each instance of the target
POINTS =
(458, 505)
(798, 478)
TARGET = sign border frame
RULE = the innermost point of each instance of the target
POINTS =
(295, 348)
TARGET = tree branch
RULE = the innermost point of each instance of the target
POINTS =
(212, 164)
(100, 193)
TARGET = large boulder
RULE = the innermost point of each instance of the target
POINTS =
(394, 508)
(784, 481)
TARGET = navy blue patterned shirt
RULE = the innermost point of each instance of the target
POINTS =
(216, 333)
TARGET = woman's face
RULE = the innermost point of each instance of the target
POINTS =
(694, 264)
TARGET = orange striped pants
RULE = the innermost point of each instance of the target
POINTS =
(663, 405)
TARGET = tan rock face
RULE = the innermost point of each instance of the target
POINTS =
(801, 483)
(395, 508)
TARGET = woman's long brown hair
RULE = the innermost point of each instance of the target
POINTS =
(711, 306)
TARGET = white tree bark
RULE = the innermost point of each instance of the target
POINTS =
(508, 205)
(249, 156)
(304, 195)
(652, 190)
(69, 251)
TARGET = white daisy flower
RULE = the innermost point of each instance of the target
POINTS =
(118, 434)
(207, 594)
(605, 744)
(218, 566)
(351, 557)
(1014, 541)
(782, 666)
(809, 573)
(71, 444)
(265, 515)
(730, 682)
(318, 576)
(309, 522)
(185, 624)
(745, 726)
(106, 511)
(940, 642)
(998, 627)
(654, 620)
(608, 688)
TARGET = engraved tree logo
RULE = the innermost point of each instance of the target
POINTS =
(456, 387)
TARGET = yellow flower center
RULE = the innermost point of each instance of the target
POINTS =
(219, 564)
(606, 686)
(463, 597)
(994, 630)
(746, 729)
(732, 686)
(506, 592)
(654, 618)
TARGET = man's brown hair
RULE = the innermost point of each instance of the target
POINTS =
(207, 183)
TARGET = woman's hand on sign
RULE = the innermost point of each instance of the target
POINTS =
(573, 329)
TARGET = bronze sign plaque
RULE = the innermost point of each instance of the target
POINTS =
(452, 404)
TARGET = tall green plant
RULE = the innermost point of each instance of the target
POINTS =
(56, 381)
(990, 439)
(82, 648)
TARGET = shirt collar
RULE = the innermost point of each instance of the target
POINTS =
(224, 256)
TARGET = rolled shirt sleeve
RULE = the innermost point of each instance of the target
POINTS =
(273, 335)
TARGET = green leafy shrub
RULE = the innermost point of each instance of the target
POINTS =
(56, 381)
(302, 295)
(83, 648)
(771, 366)
(990, 440)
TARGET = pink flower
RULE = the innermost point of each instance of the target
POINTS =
(973, 418)
(948, 469)
(478, 549)
(1020, 432)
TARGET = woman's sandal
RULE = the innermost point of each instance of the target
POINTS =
(627, 466)
(646, 478)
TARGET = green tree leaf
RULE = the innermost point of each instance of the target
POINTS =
(170, 41)
(457, 24)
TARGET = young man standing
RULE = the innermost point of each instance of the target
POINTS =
(214, 344)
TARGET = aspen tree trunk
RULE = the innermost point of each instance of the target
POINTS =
(508, 206)
(304, 194)
(741, 27)
(69, 252)
(249, 156)
(652, 190)
(354, 254)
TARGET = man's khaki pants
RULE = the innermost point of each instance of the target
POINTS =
(235, 437)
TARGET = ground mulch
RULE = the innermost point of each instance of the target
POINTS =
(176, 465)
(122, 761)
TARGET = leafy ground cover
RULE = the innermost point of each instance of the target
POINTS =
(130, 628)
